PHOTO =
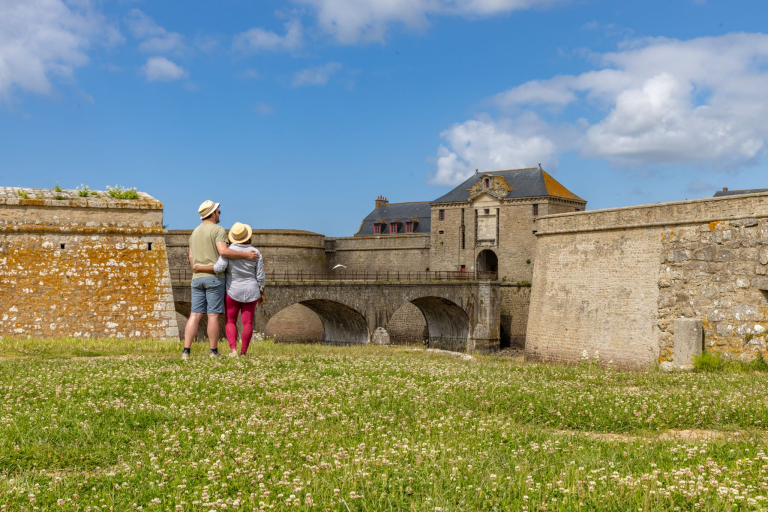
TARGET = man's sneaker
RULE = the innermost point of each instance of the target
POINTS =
(232, 353)
(185, 355)
(214, 354)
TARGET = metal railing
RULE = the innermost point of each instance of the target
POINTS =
(185, 274)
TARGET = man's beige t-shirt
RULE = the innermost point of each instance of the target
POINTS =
(202, 243)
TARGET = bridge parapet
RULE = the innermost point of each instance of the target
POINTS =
(185, 274)
(460, 315)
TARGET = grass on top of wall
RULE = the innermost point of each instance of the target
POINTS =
(128, 425)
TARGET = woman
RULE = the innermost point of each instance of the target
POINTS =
(245, 286)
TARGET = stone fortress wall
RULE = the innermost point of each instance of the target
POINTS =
(83, 266)
(614, 281)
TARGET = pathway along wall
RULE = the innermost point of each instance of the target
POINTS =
(83, 266)
(612, 282)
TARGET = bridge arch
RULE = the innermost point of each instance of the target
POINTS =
(342, 325)
(447, 323)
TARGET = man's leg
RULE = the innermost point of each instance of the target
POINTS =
(199, 307)
(190, 331)
(215, 292)
(213, 330)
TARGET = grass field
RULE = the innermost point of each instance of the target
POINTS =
(117, 425)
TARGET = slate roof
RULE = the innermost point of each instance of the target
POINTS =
(401, 213)
(724, 193)
(531, 182)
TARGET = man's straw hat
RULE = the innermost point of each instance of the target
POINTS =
(240, 233)
(207, 208)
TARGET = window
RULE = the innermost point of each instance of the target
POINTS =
(409, 227)
(535, 210)
(440, 214)
(577, 209)
(487, 183)
(393, 227)
(377, 229)
(441, 232)
(487, 211)
(149, 246)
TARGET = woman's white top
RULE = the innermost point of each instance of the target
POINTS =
(245, 278)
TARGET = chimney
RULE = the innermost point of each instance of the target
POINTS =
(725, 189)
(381, 201)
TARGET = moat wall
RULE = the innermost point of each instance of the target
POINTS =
(83, 266)
(613, 281)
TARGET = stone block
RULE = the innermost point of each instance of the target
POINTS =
(380, 337)
(745, 312)
(706, 253)
(678, 256)
(724, 255)
(761, 283)
(762, 256)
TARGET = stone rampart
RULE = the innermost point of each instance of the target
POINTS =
(389, 253)
(612, 282)
(83, 266)
(284, 250)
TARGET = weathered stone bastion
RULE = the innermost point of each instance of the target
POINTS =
(83, 266)
(614, 281)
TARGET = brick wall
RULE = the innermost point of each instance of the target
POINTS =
(613, 281)
(83, 266)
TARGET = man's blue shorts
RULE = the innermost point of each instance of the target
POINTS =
(208, 295)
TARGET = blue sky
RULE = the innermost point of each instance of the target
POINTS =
(298, 114)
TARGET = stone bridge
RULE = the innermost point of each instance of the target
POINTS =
(460, 315)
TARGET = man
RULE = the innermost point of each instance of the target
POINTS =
(207, 242)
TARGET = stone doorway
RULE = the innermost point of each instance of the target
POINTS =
(487, 261)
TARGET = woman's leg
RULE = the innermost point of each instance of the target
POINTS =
(248, 310)
(233, 309)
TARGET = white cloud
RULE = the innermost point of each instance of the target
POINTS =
(490, 145)
(155, 39)
(259, 39)
(316, 76)
(264, 109)
(43, 39)
(658, 101)
(352, 21)
(160, 69)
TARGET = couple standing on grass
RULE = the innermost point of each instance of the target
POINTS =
(243, 285)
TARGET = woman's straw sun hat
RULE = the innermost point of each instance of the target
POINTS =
(240, 233)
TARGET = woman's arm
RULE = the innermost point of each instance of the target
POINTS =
(217, 268)
(260, 276)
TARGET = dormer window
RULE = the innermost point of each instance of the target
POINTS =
(487, 183)
(393, 227)
(377, 229)
(409, 227)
